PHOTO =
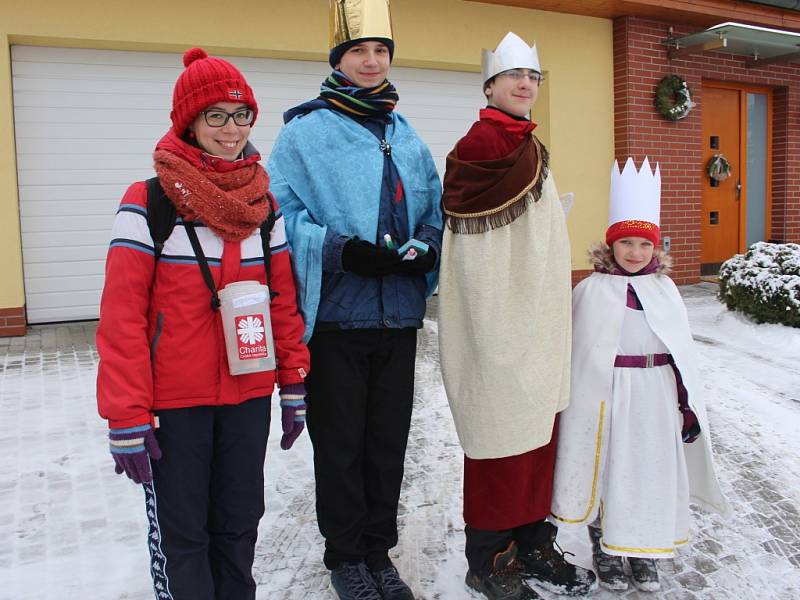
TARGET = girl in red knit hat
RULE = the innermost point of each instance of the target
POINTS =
(189, 415)
(634, 444)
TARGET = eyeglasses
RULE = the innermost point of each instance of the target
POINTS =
(519, 74)
(216, 117)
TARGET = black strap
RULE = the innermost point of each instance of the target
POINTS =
(154, 192)
(266, 231)
(203, 262)
(161, 215)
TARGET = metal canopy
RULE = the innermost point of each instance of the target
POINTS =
(761, 45)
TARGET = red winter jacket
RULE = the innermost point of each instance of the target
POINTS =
(160, 344)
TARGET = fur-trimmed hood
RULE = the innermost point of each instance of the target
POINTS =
(602, 259)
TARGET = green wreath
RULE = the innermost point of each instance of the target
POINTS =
(673, 100)
(718, 168)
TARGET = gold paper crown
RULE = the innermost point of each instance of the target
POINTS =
(357, 19)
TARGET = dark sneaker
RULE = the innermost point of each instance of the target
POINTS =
(548, 566)
(354, 582)
(390, 586)
(503, 581)
(644, 574)
(610, 570)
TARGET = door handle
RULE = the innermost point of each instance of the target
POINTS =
(738, 189)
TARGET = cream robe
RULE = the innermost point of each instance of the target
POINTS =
(504, 329)
(599, 305)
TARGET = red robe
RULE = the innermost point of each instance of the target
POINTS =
(503, 493)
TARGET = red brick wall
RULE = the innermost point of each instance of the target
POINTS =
(579, 275)
(12, 321)
(640, 61)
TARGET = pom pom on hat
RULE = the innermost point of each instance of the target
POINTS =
(192, 55)
(205, 81)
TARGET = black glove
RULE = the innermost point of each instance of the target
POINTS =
(419, 266)
(368, 260)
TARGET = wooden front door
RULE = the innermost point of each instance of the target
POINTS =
(720, 218)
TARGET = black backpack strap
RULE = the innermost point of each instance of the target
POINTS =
(266, 232)
(201, 259)
(161, 215)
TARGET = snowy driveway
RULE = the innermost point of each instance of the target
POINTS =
(71, 529)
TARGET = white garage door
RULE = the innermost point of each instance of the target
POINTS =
(86, 123)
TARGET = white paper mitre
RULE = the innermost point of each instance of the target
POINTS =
(511, 53)
(635, 195)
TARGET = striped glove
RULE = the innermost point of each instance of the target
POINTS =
(293, 413)
(132, 449)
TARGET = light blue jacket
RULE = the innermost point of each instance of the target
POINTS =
(326, 172)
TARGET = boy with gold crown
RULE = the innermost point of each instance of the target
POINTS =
(634, 448)
(504, 333)
(356, 184)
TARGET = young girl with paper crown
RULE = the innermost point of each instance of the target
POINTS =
(634, 448)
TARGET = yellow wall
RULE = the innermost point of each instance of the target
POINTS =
(575, 52)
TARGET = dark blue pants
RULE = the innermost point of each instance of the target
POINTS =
(360, 393)
(206, 500)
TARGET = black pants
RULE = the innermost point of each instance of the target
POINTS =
(206, 499)
(482, 544)
(360, 393)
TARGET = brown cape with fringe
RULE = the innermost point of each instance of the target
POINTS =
(487, 194)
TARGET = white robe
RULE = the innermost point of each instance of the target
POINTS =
(504, 329)
(590, 436)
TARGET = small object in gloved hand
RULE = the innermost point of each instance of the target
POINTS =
(421, 265)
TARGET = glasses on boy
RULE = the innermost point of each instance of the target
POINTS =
(519, 74)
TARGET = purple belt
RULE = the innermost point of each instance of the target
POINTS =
(643, 362)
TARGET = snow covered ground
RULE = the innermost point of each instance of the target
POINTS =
(71, 529)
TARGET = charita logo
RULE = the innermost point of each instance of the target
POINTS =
(251, 338)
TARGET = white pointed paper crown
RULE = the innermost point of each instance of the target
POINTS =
(511, 53)
(634, 201)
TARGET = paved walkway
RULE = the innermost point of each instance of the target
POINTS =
(71, 529)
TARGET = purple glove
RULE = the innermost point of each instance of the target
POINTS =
(293, 413)
(132, 448)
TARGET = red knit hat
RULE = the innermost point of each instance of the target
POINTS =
(633, 228)
(205, 81)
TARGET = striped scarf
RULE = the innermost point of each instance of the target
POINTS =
(344, 95)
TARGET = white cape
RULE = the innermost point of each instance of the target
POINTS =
(598, 310)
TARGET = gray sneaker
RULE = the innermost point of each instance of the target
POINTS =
(645, 574)
(610, 569)
(354, 582)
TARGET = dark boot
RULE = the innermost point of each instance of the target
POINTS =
(645, 574)
(502, 581)
(354, 582)
(545, 562)
(610, 570)
(390, 586)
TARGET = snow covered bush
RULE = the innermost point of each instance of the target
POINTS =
(764, 283)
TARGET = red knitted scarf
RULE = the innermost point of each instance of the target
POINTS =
(232, 203)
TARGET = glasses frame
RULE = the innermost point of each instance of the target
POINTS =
(516, 75)
(229, 116)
